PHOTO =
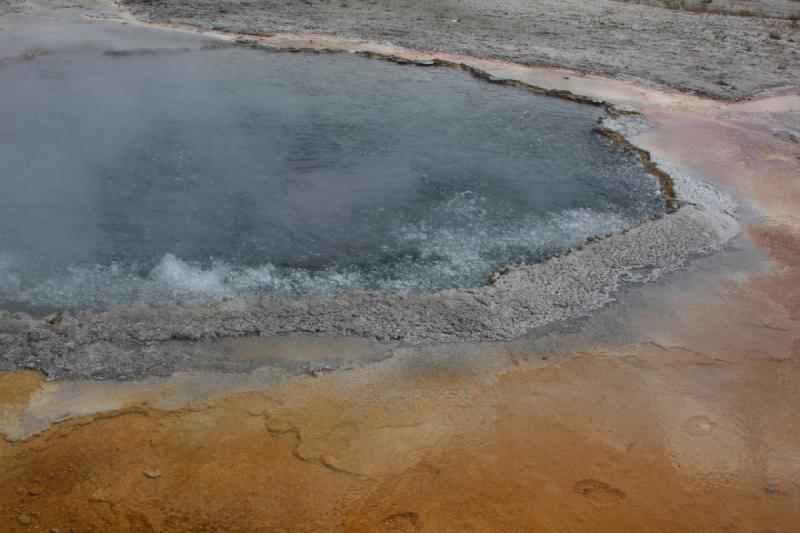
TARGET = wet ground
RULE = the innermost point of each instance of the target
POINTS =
(671, 408)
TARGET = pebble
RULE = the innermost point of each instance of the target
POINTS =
(152, 474)
(314, 367)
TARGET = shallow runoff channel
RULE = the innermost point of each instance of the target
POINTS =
(275, 193)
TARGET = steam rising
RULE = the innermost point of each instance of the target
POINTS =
(236, 173)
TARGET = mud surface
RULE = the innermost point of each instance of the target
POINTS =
(724, 56)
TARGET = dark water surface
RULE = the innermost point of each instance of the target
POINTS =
(235, 173)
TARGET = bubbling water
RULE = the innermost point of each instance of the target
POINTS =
(237, 173)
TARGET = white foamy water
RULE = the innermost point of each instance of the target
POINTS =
(448, 258)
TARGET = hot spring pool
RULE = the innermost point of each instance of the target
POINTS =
(165, 177)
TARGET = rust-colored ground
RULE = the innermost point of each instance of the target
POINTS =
(651, 438)
(693, 425)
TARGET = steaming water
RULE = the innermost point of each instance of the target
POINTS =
(236, 173)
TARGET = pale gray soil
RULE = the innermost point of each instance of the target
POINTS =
(762, 8)
(724, 56)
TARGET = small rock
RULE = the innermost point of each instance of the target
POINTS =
(772, 490)
(24, 519)
(424, 62)
(152, 474)
(402, 520)
(313, 367)
(787, 136)
(54, 319)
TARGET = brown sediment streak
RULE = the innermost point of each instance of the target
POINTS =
(61, 429)
(664, 179)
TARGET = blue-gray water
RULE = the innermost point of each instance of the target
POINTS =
(236, 173)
